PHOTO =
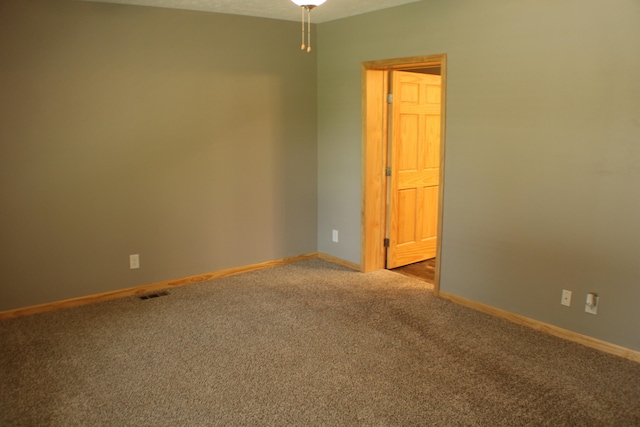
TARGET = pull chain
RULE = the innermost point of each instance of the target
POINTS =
(306, 9)
(302, 46)
(309, 30)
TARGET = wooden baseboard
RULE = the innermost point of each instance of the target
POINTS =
(487, 309)
(138, 290)
(339, 261)
(585, 340)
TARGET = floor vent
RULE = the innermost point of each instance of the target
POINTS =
(154, 295)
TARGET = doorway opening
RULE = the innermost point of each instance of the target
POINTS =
(379, 200)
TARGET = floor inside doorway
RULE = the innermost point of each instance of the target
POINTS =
(424, 270)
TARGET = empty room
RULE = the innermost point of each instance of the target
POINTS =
(203, 205)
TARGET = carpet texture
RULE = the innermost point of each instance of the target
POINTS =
(309, 343)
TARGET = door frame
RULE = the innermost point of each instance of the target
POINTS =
(375, 125)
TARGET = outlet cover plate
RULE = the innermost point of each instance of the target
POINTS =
(592, 309)
(134, 261)
(566, 298)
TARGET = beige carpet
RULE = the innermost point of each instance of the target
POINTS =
(304, 344)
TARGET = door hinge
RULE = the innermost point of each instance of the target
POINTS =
(386, 243)
(387, 171)
(389, 98)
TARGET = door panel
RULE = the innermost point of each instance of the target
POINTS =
(415, 160)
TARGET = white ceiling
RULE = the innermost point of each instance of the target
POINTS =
(275, 9)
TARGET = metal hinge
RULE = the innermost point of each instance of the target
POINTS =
(389, 98)
(386, 243)
(387, 171)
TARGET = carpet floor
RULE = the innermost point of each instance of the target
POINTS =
(309, 343)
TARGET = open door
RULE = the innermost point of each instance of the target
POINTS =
(376, 199)
(414, 159)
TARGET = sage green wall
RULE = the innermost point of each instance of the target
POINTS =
(186, 137)
(542, 176)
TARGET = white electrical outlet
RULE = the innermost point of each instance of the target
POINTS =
(134, 261)
(591, 305)
(566, 298)
(334, 236)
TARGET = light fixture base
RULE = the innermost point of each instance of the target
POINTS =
(308, 3)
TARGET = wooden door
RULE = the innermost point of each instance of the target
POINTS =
(414, 158)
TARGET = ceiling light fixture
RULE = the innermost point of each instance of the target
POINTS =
(307, 6)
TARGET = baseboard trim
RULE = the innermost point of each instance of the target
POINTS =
(138, 290)
(339, 261)
(566, 334)
(484, 308)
